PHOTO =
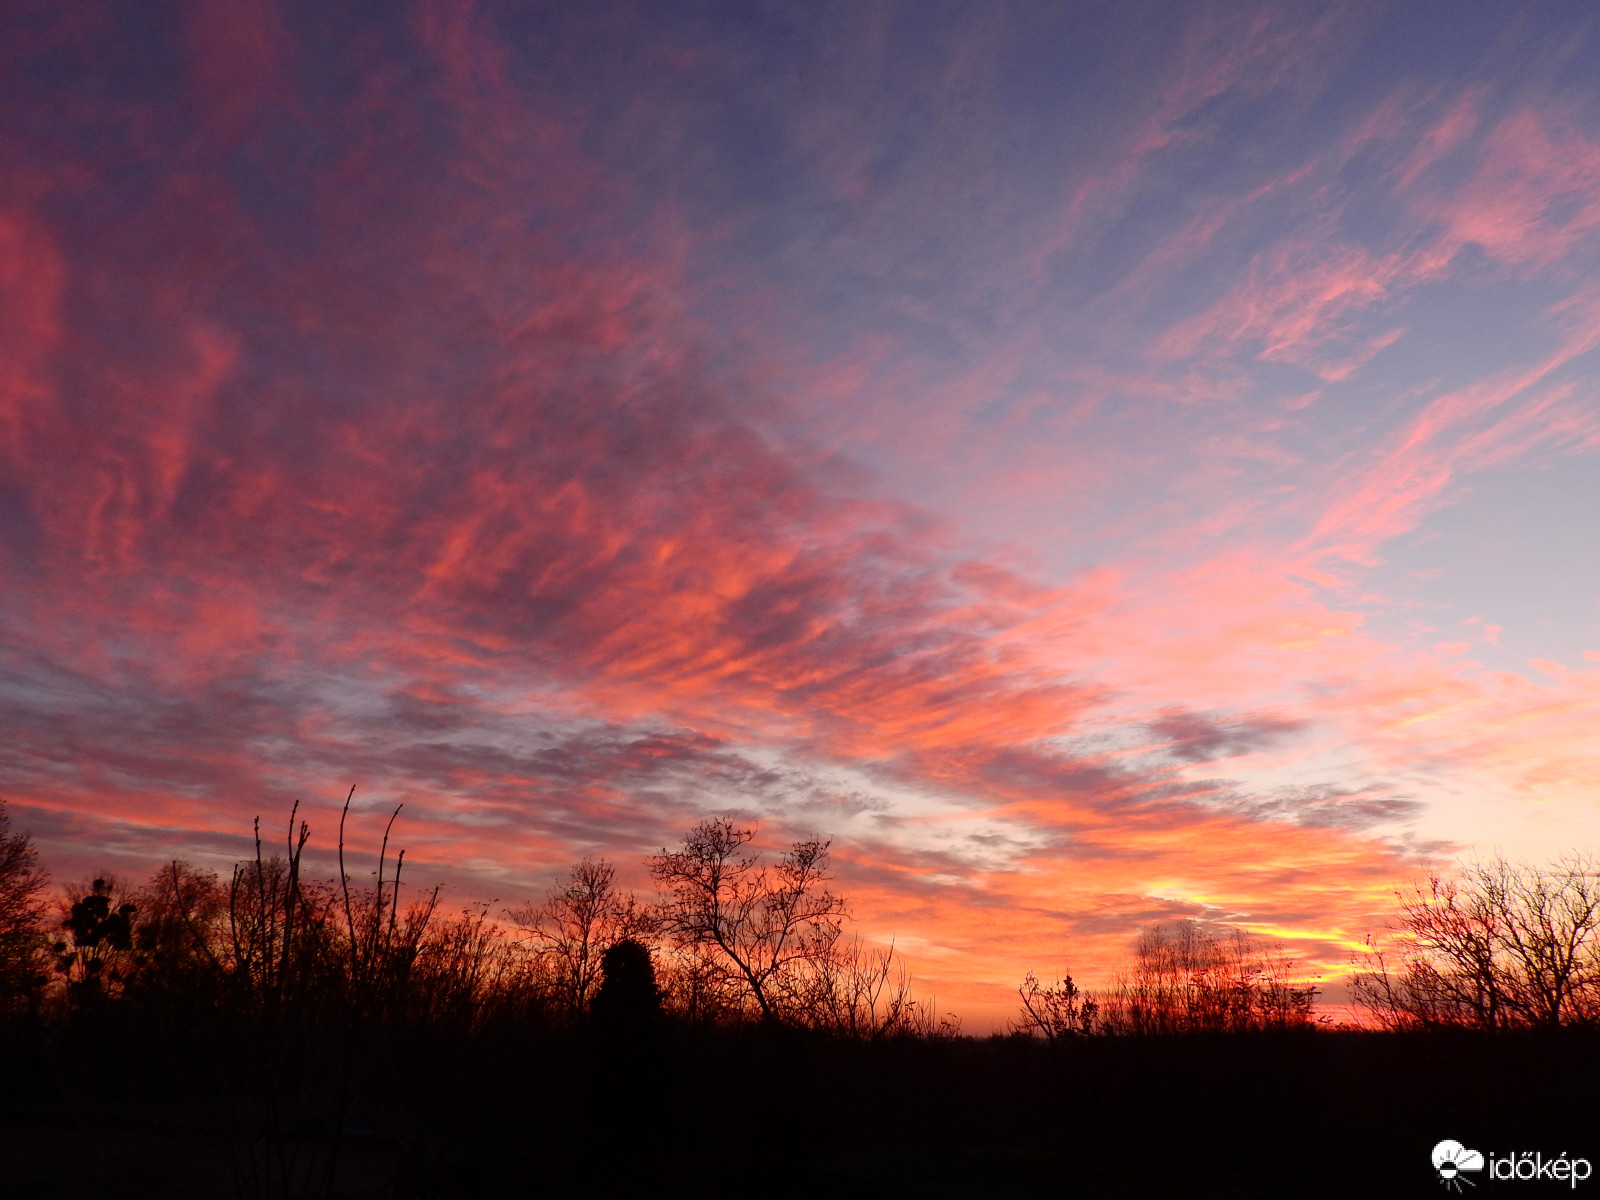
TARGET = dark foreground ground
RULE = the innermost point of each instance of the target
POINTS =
(134, 1111)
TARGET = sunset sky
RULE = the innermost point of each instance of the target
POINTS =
(1097, 463)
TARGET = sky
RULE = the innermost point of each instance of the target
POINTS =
(1097, 463)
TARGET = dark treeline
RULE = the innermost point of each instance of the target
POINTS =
(271, 1034)
(1496, 946)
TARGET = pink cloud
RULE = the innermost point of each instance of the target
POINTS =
(1533, 195)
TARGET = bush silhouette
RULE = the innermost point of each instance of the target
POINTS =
(628, 1000)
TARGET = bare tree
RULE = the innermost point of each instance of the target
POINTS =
(1196, 978)
(462, 967)
(765, 926)
(274, 929)
(1055, 1010)
(382, 949)
(1279, 1001)
(697, 988)
(181, 911)
(577, 924)
(23, 945)
(863, 992)
(1499, 945)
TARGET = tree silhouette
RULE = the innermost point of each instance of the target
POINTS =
(1055, 1010)
(1196, 978)
(764, 926)
(1501, 945)
(98, 959)
(576, 924)
(179, 934)
(1184, 978)
(864, 993)
(23, 945)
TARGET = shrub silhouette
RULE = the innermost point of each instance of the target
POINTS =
(1195, 977)
(1185, 978)
(628, 1000)
(1056, 1010)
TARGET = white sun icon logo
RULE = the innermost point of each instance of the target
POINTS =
(1450, 1158)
